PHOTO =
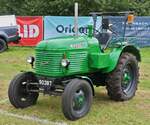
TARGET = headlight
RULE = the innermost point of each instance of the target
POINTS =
(30, 59)
(65, 62)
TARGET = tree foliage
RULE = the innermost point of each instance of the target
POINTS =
(66, 7)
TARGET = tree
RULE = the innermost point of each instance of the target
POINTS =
(66, 7)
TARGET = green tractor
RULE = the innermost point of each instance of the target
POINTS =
(71, 66)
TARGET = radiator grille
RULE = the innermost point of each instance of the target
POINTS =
(49, 63)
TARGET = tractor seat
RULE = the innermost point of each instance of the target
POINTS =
(104, 39)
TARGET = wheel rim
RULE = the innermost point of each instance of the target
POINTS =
(127, 79)
(23, 94)
(79, 100)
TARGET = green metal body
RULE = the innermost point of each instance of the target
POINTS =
(84, 54)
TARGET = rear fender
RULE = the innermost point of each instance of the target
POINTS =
(133, 50)
(116, 53)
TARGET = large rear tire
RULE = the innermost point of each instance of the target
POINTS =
(3, 45)
(18, 94)
(77, 99)
(122, 83)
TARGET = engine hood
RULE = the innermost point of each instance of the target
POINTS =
(63, 43)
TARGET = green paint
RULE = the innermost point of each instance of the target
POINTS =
(127, 77)
(90, 32)
(84, 54)
(79, 101)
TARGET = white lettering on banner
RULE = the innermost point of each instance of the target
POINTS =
(29, 31)
(25, 31)
(34, 31)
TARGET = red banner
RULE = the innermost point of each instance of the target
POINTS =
(30, 30)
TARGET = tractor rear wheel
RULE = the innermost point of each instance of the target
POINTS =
(77, 99)
(121, 84)
(18, 94)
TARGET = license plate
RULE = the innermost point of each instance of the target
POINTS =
(45, 82)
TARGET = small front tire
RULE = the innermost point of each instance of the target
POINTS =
(77, 99)
(18, 94)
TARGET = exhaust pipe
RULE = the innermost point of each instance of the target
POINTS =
(76, 19)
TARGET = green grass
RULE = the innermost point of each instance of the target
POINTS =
(103, 112)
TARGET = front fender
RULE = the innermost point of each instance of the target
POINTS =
(89, 81)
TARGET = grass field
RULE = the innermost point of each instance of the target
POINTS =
(48, 109)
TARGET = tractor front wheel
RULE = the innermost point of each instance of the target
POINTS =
(76, 99)
(121, 84)
(18, 94)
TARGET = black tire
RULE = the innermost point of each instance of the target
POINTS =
(17, 93)
(3, 45)
(121, 84)
(77, 99)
